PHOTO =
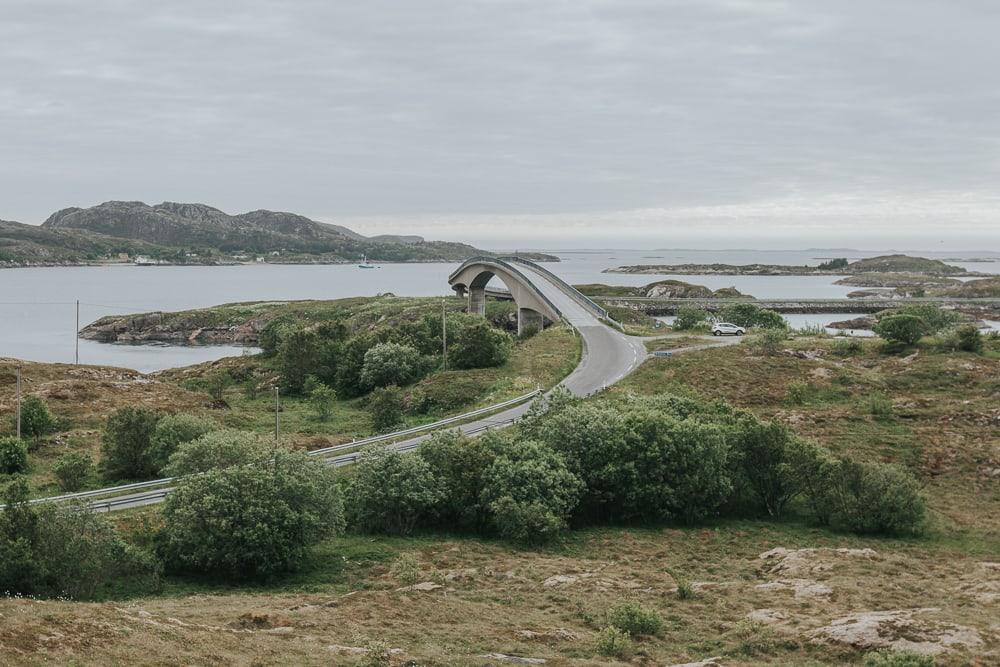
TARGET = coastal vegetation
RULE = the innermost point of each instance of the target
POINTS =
(670, 289)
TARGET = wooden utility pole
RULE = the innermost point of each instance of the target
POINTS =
(444, 334)
(276, 406)
(76, 338)
(17, 413)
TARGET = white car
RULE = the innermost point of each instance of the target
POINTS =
(727, 329)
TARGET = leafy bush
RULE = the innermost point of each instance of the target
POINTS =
(810, 467)
(219, 449)
(390, 363)
(13, 455)
(252, 520)
(901, 329)
(613, 643)
(755, 638)
(875, 498)
(126, 451)
(751, 315)
(272, 336)
(216, 385)
(480, 346)
(847, 346)
(63, 551)
(297, 358)
(935, 318)
(892, 658)
(760, 458)
(405, 570)
(386, 406)
(392, 493)
(172, 431)
(688, 318)
(460, 464)
(322, 399)
(530, 492)
(970, 340)
(634, 619)
(768, 342)
(36, 420)
(73, 471)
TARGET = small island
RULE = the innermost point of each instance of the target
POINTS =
(896, 264)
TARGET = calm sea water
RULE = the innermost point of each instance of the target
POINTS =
(37, 306)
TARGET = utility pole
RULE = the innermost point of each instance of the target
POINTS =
(276, 406)
(17, 415)
(76, 338)
(444, 334)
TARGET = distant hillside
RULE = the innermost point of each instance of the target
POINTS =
(840, 267)
(665, 289)
(903, 264)
(22, 245)
(202, 227)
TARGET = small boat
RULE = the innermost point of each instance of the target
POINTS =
(364, 264)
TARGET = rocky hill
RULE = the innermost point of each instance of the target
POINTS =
(202, 227)
(880, 264)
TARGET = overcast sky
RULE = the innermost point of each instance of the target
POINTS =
(582, 122)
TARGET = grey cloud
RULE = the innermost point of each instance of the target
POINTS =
(384, 108)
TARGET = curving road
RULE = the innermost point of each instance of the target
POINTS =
(608, 356)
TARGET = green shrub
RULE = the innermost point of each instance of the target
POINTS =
(480, 346)
(878, 405)
(297, 358)
(174, 430)
(798, 393)
(751, 315)
(892, 658)
(901, 329)
(13, 455)
(875, 498)
(634, 619)
(36, 420)
(685, 589)
(73, 471)
(970, 340)
(810, 468)
(768, 342)
(530, 492)
(935, 318)
(460, 463)
(688, 318)
(405, 570)
(386, 406)
(126, 444)
(252, 520)
(833, 264)
(760, 458)
(322, 399)
(613, 643)
(847, 346)
(392, 493)
(390, 364)
(755, 638)
(63, 551)
(216, 385)
(219, 449)
(272, 335)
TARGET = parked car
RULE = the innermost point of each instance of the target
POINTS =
(727, 329)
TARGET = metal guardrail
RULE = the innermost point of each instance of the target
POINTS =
(577, 295)
(161, 493)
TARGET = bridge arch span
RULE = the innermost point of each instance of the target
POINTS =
(472, 276)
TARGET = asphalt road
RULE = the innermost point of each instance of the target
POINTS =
(608, 356)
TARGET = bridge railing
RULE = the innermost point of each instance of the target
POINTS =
(576, 294)
(483, 259)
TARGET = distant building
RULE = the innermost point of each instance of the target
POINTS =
(123, 257)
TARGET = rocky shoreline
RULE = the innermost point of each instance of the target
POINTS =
(155, 328)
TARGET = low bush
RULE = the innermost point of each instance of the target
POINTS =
(613, 643)
(73, 471)
(768, 342)
(460, 463)
(875, 498)
(635, 619)
(126, 444)
(405, 570)
(970, 340)
(392, 493)
(171, 432)
(252, 520)
(219, 449)
(36, 420)
(480, 346)
(878, 405)
(755, 638)
(688, 318)
(901, 329)
(847, 346)
(390, 364)
(322, 399)
(530, 492)
(751, 315)
(892, 658)
(13, 455)
(386, 406)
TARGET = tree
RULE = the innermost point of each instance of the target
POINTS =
(935, 318)
(751, 315)
(172, 431)
(126, 444)
(390, 363)
(251, 520)
(392, 493)
(688, 318)
(350, 364)
(73, 471)
(322, 399)
(386, 407)
(13, 455)
(36, 420)
(460, 463)
(530, 492)
(875, 498)
(219, 449)
(297, 358)
(833, 264)
(970, 340)
(760, 458)
(901, 329)
(480, 346)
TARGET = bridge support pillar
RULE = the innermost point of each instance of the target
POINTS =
(477, 301)
(529, 319)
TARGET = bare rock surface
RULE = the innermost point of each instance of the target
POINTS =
(900, 629)
(805, 563)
